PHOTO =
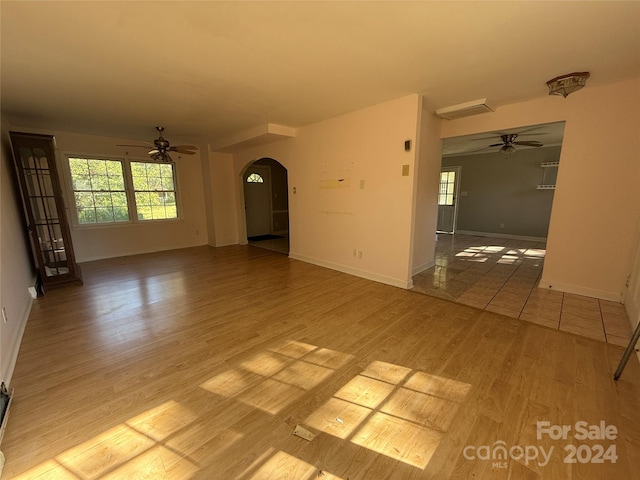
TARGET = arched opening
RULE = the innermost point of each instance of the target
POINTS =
(266, 201)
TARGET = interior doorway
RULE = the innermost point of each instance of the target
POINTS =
(508, 184)
(265, 186)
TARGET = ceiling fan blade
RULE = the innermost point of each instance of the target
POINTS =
(529, 144)
(186, 149)
(476, 151)
(496, 144)
(136, 146)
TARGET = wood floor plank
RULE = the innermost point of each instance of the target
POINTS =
(199, 363)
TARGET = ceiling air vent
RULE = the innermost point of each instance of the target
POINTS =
(464, 109)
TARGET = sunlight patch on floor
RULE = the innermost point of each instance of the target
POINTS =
(283, 465)
(399, 439)
(386, 408)
(104, 452)
(132, 449)
(49, 470)
(392, 410)
(164, 420)
(272, 379)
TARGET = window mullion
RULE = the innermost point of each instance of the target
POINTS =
(130, 192)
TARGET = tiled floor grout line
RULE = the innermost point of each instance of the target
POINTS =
(604, 327)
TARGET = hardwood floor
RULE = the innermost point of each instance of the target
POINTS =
(199, 363)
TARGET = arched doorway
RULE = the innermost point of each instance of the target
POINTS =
(266, 200)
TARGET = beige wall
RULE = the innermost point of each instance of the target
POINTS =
(429, 148)
(632, 295)
(16, 271)
(592, 233)
(222, 220)
(96, 242)
(329, 219)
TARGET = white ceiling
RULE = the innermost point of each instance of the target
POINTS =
(209, 70)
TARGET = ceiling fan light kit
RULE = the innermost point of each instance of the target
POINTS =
(464, 109)
(161, 147)
(507, 149)
(566, 84)
(507, 146)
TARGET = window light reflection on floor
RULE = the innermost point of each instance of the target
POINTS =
(392, 410)
(131, 449)
(272, 379)
(387, 409)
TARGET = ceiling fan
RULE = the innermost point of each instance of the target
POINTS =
(160, 149)
(508, 142)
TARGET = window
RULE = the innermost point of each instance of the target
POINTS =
(255, 178)
(111, 191)
(98, 189)
(154, 189)
(447, 184)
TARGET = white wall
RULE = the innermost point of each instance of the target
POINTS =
(596, 204)
(107, 241)
(16, 271)
(328, 218)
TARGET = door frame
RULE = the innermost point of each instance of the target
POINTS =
(267, 181)
(456, 189)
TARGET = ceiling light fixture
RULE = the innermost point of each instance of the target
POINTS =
(507, 149)
(566, 84)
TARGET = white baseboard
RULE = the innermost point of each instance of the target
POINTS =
(224, 244)
(502, 235)
(395, 282)
(14, 348)
(423, 267)
(579, 290)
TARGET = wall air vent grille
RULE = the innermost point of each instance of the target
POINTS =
(464, 109)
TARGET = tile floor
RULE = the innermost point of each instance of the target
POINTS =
(280, 244)
(501, 275)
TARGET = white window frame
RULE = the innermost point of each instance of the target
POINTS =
(134, 191)
(129, 190)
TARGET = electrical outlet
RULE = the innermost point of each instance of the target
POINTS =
(4, 315)
(359, 254)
